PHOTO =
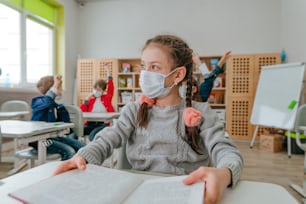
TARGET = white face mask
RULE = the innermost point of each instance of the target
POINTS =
(97, 93)
(183, 90)
(152, 84)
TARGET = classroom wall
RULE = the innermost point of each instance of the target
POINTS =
(119, 28)
(293, 29)
(293, 32)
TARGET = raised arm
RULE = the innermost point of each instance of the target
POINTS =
(223, 59)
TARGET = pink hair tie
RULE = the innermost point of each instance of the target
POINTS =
(144, 99)
(192, 117)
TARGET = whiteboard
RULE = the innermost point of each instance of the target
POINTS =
(278, 94)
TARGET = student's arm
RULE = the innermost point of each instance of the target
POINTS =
(110, 84)
(223, 59)
(201, 65)
(84, 107)
(110, 87)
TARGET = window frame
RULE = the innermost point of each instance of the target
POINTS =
(24, 16)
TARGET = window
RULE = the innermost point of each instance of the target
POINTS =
(26, 47)
(10, 60)
(39, 55)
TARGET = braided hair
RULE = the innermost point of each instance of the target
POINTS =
(181, 55)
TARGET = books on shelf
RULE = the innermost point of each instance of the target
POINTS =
(99, 185)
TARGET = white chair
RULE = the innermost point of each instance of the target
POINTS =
(16, 105)
(30, 155)
(300, 126)
(76, 117)
(11, 106)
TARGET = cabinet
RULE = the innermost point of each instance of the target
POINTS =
(242, 75)
(88, 71)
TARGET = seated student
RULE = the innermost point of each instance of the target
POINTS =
(99, 101)
(164, 132)
(209, 76)
(44, 108)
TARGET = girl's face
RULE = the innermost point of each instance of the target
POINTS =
(155, 58)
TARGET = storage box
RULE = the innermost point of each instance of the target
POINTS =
(271, 143)
(295, 149)
(126, 97)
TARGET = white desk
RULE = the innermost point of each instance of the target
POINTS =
(13, 115)
(100, 117)
(246, 192)
(24, 132)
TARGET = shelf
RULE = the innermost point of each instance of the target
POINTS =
(125, 89)
(219, 89)
(217, 105)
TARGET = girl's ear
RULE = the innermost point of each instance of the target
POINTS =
(194, 89)
(180, 74)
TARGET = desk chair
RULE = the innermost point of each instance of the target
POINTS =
(16, 105)
(30, 155)
(76, 117)
(300, 125)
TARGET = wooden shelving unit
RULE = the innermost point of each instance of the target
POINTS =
(128, 81)
(242, 76)
(88, 71)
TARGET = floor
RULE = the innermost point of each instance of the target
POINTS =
(259, 166)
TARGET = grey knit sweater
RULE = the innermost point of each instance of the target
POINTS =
(160, 147)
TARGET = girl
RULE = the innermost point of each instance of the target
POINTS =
(165, 133)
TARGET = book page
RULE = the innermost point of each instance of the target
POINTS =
(95, 185)
(169, 190)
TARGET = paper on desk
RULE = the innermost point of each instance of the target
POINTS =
(99, 185)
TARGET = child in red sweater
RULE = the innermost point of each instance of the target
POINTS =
(99, 101)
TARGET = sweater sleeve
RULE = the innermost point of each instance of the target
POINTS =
(110, 87)
(222, 151)
(111, 137)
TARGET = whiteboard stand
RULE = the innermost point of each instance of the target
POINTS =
(288, 140)
(278, 94)
(254, 136)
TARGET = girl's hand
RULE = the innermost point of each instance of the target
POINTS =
(216, 181)
(76, 162)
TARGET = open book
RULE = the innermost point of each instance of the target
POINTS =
(99, 185)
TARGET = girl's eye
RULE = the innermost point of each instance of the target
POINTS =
(155, 67)
(150, 68)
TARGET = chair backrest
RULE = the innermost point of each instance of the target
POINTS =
(300, 120)
(76, 117)
(16, 105)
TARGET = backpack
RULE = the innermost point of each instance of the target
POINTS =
(62, 114)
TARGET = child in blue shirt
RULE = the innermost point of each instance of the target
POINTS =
(44, 108)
